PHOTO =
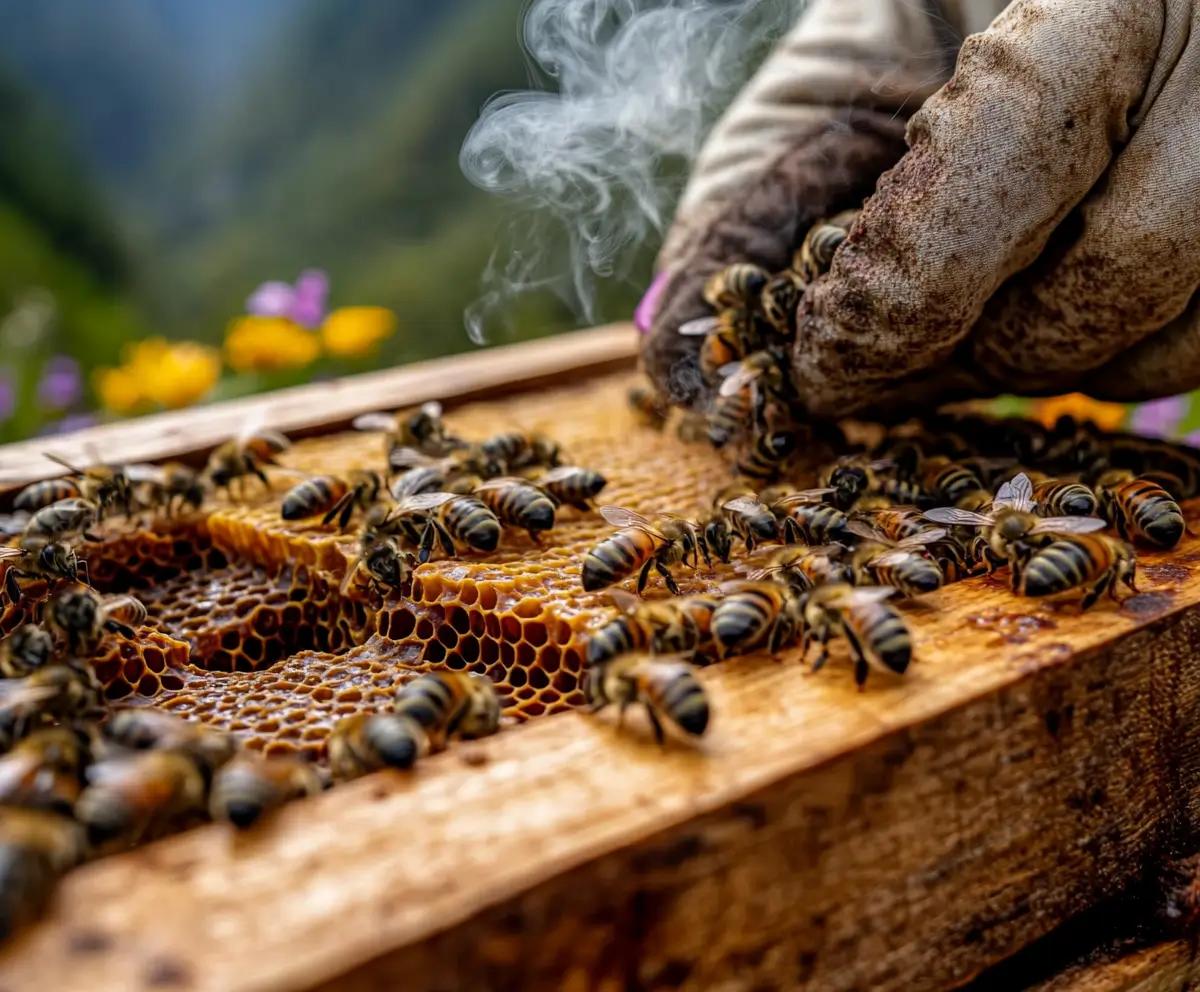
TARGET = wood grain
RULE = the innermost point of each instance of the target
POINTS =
(322, 407)
(1171, 966)
(1031, 764)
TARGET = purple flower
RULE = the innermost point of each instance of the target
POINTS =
(643, 314)
(1159, 418)
(61, 384)
(271, 299)
(303, 303)
(73, 422)
(1192, 439)
(8, 393)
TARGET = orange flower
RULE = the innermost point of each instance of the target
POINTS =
(262, 344)
(1106, 416)
(353, 332)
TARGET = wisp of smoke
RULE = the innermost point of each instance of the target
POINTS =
(639, 82)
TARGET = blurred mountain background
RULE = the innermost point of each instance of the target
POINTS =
(161, 158)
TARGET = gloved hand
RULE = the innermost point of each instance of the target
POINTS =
(1040, 235)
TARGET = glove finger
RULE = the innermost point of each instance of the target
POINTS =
(833, 169)
(998, 158)
(1163, 364)
(1128, 261)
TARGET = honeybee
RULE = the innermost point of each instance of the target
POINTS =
(332, 497)
(62, 521)
(763, 459)
(1064, 499)
(896, 522)
(382, 564)
(649, 407)
(1094, 563)
(517, 450)
(139, 795)
(681, 625)
(422, 429)
(779, 301)
(39, 559)
(45, 770)
(853, 476)
(748, 518)
(948, 482)
(692, 428)
(667, 687)
(162, 485)
(245, 455)
(36, 848)
(81, 617)
(876, 634)
(739, 284)
(806, 568)
(762, 375)
(1140, 509)
(714, 535)
(756, 615)
(104, 485)
(146, 728)
(1012, 530)
(447, 518)
(25, 650)
(638, 547)
(445, 704)
(899, 564)
(728, 337)
(250, 786)
(729, 416)
(802, 517)
(571, 485)
(58, 691)
(37, 495)
(815, 255)
(368, 742)
(518, 503)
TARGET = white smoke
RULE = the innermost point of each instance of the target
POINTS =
(596, 167)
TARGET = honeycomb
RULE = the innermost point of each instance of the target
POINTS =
(251, 630)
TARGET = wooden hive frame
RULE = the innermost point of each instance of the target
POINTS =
(1030, 765)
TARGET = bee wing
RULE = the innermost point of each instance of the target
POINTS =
(14, 770)
(145, 472)
(880, 464)
(432, 409)
(624, 601)
(291, 472)
(12, 523)
(956, 517)
(738, 377)
(501, 481)
(118, 604)
(1068, 525)
(930, 535)
(18, 694)
(864, 530)
(560, 474)
(893, 557)
(59, 460)
(374, 422)
(425, 501)
(699, 326)
(1016, 494)
(6, 553)
(734, 586)
(862, 595)
(408, 458)
(803, 496)
(618, 516)
(742, 504)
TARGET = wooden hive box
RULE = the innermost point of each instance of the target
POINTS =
(1032, 763)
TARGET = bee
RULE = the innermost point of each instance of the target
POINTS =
(25, 650)
(1094, 563)
(61, 521)
(146, 728)
(638, 547)
(447, 518)
(163, 485)
(39, 559)
(948, 482)
(802, 517)
(805, 568)
(38, 495)
(728, 338)
(518, 503)
(81, 617)
(729, 415)
(250, 786)
(897, 522)
(36, 848)
(739, 284)
(765, 456)
(367, 742)
(104, 485)
(853, 476)
(692, 428)
(748, 518)
(1140, 509)
(1011, 531)
(649, 407)
(444, 704)
(45, 770)
(876, 634)
(58, 691)
(517, 450)
(1064, 499)
(780, 300)
(332, 497)
(815, 255)
(571, 485)
(762, 375)
(756, 615)
(245, 455)
(382, 564)
(681, 625)
(140, 795)
(899, 564)
(422, 429)
(667, 687)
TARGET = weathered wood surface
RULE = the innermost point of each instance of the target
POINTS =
(1032, 763)
(321, 407)
(1171, 966)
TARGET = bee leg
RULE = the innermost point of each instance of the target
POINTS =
(823, 639)
(116, 627)
(861, 670)
(582, 507)
(668, 578)
(644, 576)
(11, 586)
(94, 538)
(426, 546)
(334, 510)
(533, 536)
(656, 724)
(446, 539)
(261, 475)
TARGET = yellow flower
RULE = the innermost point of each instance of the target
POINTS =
(159, 372)
(1106, 416)
(353, 332)
(119, 390)
(261, 344)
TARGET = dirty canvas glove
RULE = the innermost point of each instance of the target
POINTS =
(807, 137)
